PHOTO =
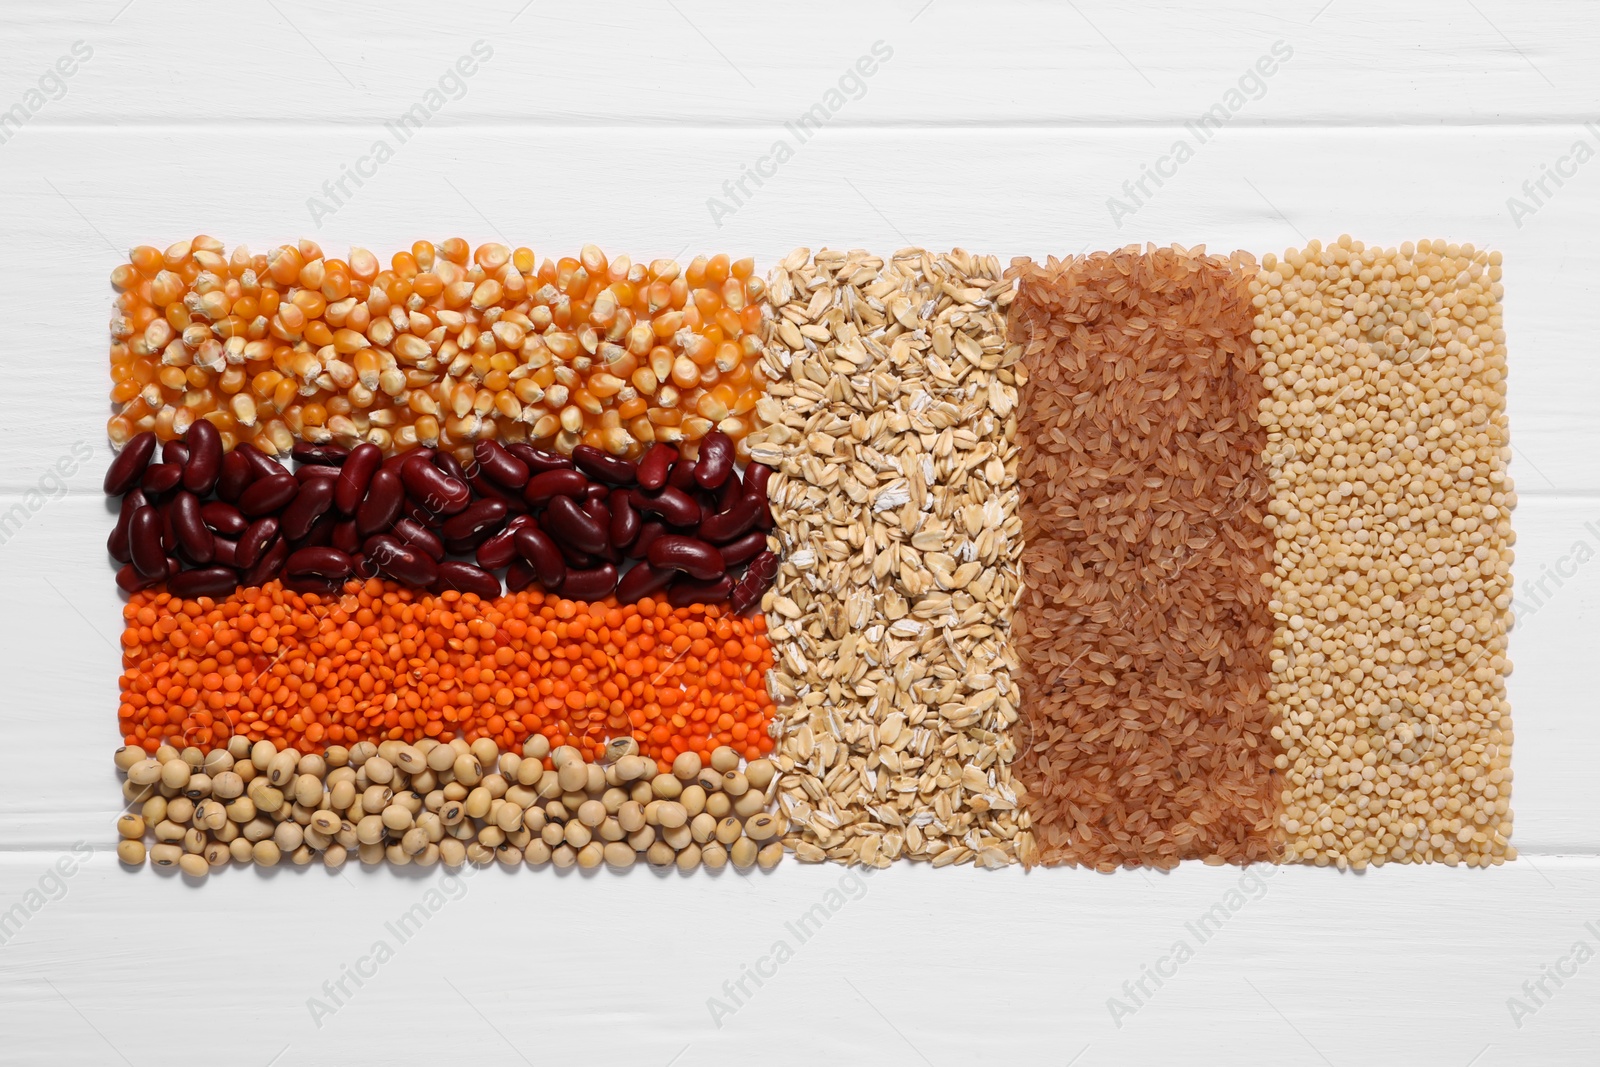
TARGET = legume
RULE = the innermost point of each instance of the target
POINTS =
(538, 805)
(381, 662)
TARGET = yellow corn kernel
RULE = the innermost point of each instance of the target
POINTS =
(284, 392)
(348, 341)
(318, 334)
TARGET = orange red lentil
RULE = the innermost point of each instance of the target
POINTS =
(383, 662)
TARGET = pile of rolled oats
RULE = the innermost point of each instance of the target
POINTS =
(891, 423)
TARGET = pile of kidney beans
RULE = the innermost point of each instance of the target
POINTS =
(206, 522)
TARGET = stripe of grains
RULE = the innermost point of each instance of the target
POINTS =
(889, 420)
(1386, 420)
(1143, 629)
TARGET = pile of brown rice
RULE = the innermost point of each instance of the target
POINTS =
(1143, 630)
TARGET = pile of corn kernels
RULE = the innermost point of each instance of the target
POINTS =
(446, 347)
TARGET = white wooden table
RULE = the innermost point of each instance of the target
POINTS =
(998, 127)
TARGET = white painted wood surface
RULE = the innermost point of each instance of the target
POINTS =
(999, 127)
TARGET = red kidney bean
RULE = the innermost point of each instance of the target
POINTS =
(727, 525)
(203, 581)
(500, 548)
(117, 543)
(449, 465)
(490, 491)
(328, 455)
(323, 561)
(625, 520)
(500, 466)
(190, 528)
(597, 509)
(432, 487)
(160, 478)
(576, 560)
(382, 503)
(169, 536)
(261, 464)
(743, 549)
(731, 490)
(682, 475)
(686, 591)
(224, 518)
(603, 467)
(565, 521)
(346, 538)
(309, 505)
(547, 485)
(654, 465)
(479, 520)
(126, 470)
(518, 576)
(542, 554)
(254, 542)
(756, 476)
(673, 505)
(174, 451)
(758, 577)
(594, 503)
(648, 532)
(404, 564)
(418, 514)
(129, 580)
(321, 532)
(314, 473)
(224, 552)
(267, 567)
(538, 460)
(716, 460)
(144, 542)
(205, 457)
(400, 459)
(593, 584)
(235, 474)
(641, 581)
(355, 475)
(413, 534)
(268, 494)
(466, 578)
(694, 557)
(362, 567)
